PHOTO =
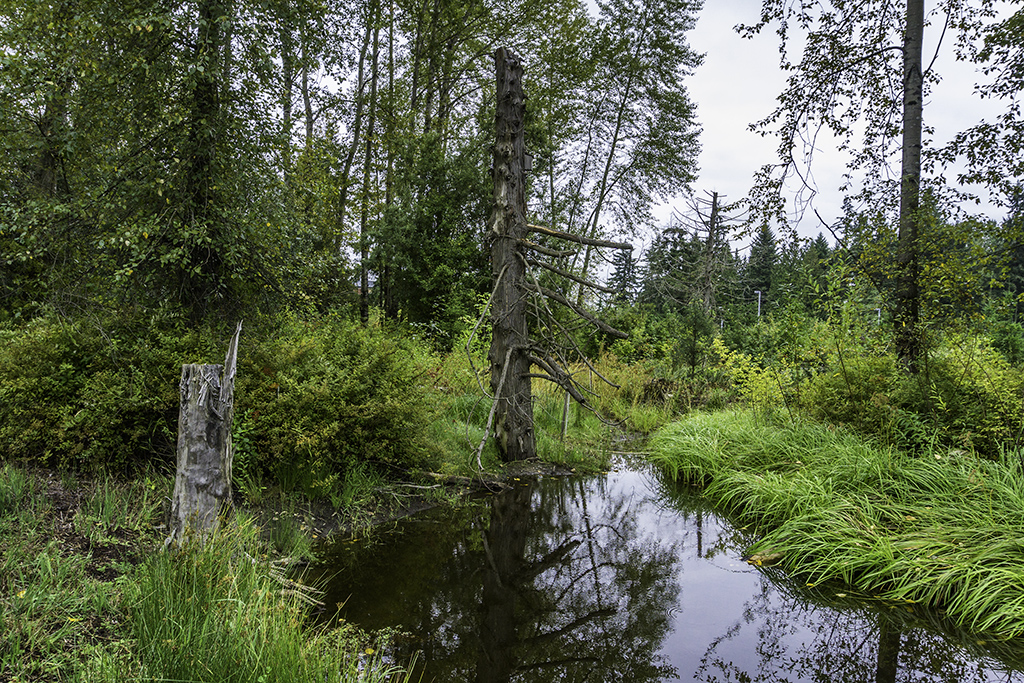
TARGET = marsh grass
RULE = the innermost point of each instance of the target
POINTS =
(85, 595)
(944, 528)
(212, 612)
(56, 617)
(15, 486)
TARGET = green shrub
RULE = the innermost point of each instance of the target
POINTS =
(326, 395)
(967, 396)
(854, 392)
(313, 398)
(97, 395)
(970, 396)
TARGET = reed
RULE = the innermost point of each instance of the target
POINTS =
(944, 528)
(213, 612)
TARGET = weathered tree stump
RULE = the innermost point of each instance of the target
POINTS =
(202, 485)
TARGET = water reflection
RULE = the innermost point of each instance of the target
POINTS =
(624, 578)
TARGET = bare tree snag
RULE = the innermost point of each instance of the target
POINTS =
(202, 484)
(513, 428)
(517, 291)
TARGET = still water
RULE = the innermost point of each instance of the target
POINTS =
(624, 577)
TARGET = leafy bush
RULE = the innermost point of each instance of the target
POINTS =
(94, 395)
(312, 398)
(967, 396)
(326, 395)
(855, 392)
(970, 394)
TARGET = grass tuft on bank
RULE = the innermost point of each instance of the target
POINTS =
(944, 528)
(86, 594)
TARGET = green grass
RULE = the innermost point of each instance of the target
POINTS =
(86, 595)
(458, 428)
(213, 612)
(944, 529)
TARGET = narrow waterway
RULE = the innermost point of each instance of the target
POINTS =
(623, 577)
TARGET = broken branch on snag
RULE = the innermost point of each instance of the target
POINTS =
(565, 333)
(576, 238)
(570, 276)
(562, 379)
(578, 310)
(547, 251)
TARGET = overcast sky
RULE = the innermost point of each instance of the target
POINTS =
(738, 84)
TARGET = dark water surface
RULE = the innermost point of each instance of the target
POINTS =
(622, 577)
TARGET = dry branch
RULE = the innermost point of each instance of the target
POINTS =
(570, 276)
(533, 246)
(578, 310)
(576, 238)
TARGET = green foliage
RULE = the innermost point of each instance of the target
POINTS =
(15, 487)
(967, 397)
(213, 612)
(327, 395)
(942, 529)
(763, 386)
(314, 398)
(93, 395)
(854, 392)
(244, 459)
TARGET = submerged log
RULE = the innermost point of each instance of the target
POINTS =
(202, 484)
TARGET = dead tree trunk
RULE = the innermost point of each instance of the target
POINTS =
(510, 365)
(513, 352)
(202, 485)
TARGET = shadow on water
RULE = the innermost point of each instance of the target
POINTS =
(625, 577)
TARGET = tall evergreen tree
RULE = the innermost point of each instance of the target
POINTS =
(624, 279)
(762, 261)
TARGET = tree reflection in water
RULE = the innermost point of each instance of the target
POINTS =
(571, 597)
(622, 578)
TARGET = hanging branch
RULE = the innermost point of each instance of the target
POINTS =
(546, 251)
(494, 409)
(578, 310)
(570, 276)
(566, 335)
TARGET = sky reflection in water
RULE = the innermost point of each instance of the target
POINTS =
(624, 578)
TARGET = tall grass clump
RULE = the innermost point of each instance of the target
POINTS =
(943, 528)
(15, 486)
(212, 612)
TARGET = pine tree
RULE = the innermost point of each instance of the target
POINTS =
(763, 260)
(624, 278)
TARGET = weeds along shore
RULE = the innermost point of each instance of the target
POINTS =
(941, 528)
(86, 595)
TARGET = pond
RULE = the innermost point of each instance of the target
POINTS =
(626, 577)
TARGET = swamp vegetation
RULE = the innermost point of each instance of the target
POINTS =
(160, 182)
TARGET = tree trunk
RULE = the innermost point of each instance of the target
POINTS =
(908, 295)
(202, 485)
(357, 123)
(364, 237)
(510, 366)
(287, 79)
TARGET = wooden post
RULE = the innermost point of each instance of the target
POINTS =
(513, 427)
(202, 485)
